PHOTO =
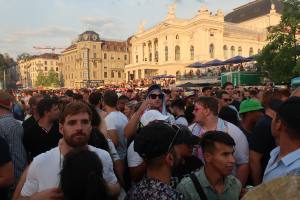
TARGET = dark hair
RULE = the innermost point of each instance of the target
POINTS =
(81, 176)
(228, 114)
(95, 98)
(96, 120)
(78, 97)
(110, 98)
(204, 89)
(75, 108)
(211, 137)
(179, 103)
(209, 102)
(189, 114)
(69, 93)
(33, 101)
(226, 84)
(220, 94)
(123, 97)
(270, 95)
(45, 105)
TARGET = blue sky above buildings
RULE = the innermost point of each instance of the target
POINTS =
(28, 23)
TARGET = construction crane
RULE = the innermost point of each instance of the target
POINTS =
(48, 47)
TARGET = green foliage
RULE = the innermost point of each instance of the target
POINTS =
(51, 80)
(23, 56)
(279, 56)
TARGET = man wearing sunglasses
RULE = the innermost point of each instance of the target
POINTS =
(155, 100)
(206, 117)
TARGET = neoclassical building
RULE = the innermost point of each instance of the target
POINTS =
(29, 68)
(173, 44)
(91, 61)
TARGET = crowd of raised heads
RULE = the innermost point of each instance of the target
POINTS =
(155, 143)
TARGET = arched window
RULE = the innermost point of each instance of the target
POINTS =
(192, 52)
(225, 52)
(251, 52)
(136, 58)
(211, 50)
(177, 53)
(177, 37)
(105, 56)
(232, 49)
(178, 73)
(259, 50)
(240, 51)
(166, 53)
(150, 51)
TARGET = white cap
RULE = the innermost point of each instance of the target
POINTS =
(152, 115)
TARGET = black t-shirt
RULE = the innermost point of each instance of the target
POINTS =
(4, 159)
(37, 140)
(236, 104)
(261, 139)
(29, 123)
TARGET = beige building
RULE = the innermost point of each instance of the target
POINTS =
(168, 47)
(91, 61)
(30, 67)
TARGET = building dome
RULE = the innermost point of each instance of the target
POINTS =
(89, 36)
(253, 10)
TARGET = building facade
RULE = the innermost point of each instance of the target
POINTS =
(91, 61)
(173, 44)
(30, 67)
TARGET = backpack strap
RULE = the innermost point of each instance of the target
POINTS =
(198, 187)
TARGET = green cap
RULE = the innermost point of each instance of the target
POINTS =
(250, 105)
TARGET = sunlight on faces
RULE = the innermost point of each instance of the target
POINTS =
(76, 129)
(221, 158)
(200, 112)
(229, 89)
(225, 100)
(157, 102)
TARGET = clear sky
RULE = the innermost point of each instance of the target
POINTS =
(28, 23)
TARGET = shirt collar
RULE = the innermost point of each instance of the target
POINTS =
(205, 182)
(291, 157)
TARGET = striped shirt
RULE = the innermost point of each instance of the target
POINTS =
(12, 132)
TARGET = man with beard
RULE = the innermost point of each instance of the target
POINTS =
(43, 175)
(159, 159)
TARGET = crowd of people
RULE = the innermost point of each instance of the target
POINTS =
(213, 143)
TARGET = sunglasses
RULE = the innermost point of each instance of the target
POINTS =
(154, 96)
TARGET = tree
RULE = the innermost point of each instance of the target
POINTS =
(23, 56)
(53, 79)
(50, 80)
(41, 79)
(279, 57)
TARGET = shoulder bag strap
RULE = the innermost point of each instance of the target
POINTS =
(198, 187)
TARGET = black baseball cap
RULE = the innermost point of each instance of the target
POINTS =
(155, 139)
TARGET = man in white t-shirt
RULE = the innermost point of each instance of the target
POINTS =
(206, 117)
(43, 175)
(115, 123)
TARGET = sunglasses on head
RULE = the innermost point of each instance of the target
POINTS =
(154, 96)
